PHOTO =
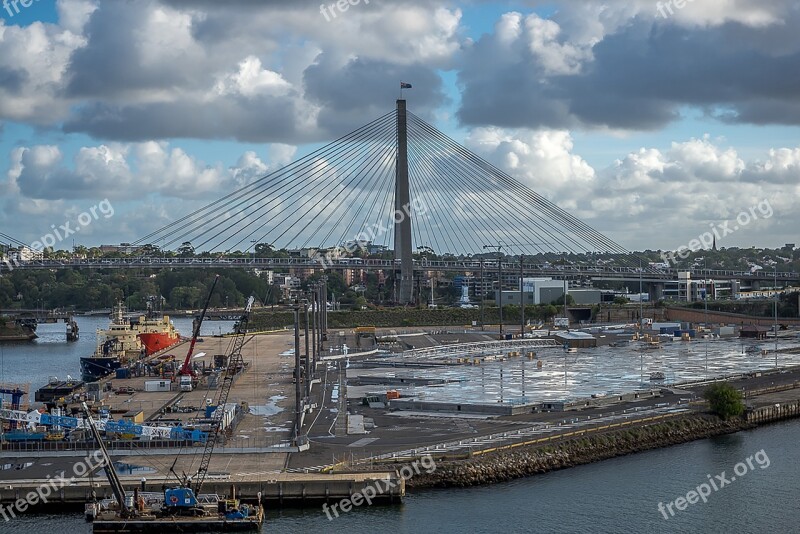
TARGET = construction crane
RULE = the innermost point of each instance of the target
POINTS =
(113, 480)
(185, 372)
(234, 364)
(182, 500)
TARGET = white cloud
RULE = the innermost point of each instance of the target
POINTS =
(650, 197)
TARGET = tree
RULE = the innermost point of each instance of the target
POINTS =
(263, 250)
(724, 400)
(186, 250)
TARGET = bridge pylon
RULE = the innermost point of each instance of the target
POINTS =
(402, 213)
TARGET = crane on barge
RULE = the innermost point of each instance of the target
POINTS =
(182, 500)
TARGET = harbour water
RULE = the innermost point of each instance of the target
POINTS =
(51, 355)
(616, 496)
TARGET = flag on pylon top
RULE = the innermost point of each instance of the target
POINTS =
(404, 85)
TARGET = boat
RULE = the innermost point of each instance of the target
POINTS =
(128, 340)
(157, 334)
(657, 375)
(57, 389)
(72, 330)
(181, 507)
(12, 329)
(116, 346)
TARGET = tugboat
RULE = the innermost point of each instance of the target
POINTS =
(72, 330)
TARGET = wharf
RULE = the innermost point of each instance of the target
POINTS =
(281, 488)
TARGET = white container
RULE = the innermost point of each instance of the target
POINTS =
(157, 385)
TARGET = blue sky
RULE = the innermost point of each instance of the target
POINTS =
(605, 108)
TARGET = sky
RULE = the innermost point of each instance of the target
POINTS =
(650, 122)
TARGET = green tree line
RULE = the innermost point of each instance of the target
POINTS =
(92, 289)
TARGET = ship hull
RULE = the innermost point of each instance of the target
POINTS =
(93, 368)
(157, 341)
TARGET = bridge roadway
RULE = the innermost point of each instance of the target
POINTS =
(606, 273)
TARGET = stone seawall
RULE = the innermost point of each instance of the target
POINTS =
(509, 464)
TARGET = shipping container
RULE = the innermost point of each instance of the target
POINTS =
(157, 385)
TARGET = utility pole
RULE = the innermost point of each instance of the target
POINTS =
(308, 354)
(314, 315)
(481, 292)
(641, 316)
(298, 414)
(775, 327)
(521, 296)
(499, 248)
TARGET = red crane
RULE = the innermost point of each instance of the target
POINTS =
(186, 368)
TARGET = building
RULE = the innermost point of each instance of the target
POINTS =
(25, 253)
(687, 290)
(576, 340)
(542, 290)
(753, 331)
(302, 273)
(590, 297)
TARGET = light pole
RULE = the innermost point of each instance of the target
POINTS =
(482, 293)
(775, 327)
(521, 296)
(499, 248)
(705, 300)
(253, 241)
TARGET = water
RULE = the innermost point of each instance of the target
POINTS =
(615, 496)
(51, 355)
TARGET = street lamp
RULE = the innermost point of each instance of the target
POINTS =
(775, 305)
(499, 248)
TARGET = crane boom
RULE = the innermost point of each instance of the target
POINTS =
(186, 368)
(111, 473)
(234, 362)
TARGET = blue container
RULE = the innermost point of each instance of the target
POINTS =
(123, 372)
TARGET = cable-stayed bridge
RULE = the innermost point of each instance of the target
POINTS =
(398, 184)
(612, 272)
